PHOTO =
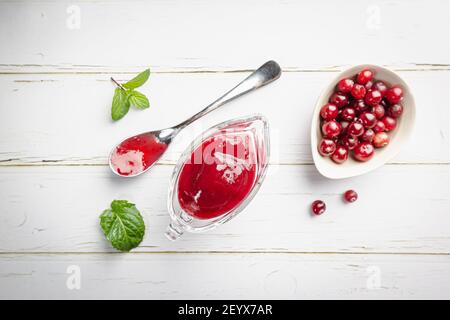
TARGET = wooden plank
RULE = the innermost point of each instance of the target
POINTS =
(402, 209)
(225, 276)
(64, 119)
(199, 35)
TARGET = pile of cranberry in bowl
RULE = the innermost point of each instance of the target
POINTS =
(357, 120)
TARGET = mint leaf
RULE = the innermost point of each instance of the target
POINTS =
(137, 81)
(139, 100)
(123, 225)
(120, 104)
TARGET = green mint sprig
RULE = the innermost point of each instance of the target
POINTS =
(125, 96)
(123, 225)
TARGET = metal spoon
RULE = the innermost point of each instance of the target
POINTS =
(265, 74)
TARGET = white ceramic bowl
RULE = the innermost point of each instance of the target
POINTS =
(351, 167)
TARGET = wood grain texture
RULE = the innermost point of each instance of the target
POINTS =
(201, 35)
(402, 209)
(65, 119)
(224, 276)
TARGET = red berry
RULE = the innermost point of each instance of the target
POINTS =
(373, 97)
(368, 85)
(368, 120)
(368, 135)
(380, 86)
(344, 126)
(363, 151)
(364, 76)
(350, 196)
(380, 140)
(389, 123)
(358, 91)
(331, 129)
(359, 105)
(379, 127)
(395, 110)
(348, 114)
(329, 112)
(378, 111)
(340, 155)
(345, 85)
(339, 99)
(318, 207)
(349, 141)
(394, 94)
(326, 147)
(355, 129)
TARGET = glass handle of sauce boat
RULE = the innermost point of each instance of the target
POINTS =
(268, 72)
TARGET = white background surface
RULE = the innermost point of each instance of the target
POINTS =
(55, 134)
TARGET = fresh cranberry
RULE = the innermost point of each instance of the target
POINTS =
(368, 85)
(389, 123)
(326, 147)
(345, 85)
(368, 120)
(380, 86)
(348, 114)
(358, 91)
(368, 135)
(340, 155)
(331, 129)
(364, 76)
(350, 196)
(380, 140)
(394, 94)
(395, 110)
(378, 111)
(349, 141)
(379, 127)
(340, 99)
(359, 105)
(363, 151)
(344, 125)
(373, 97)
(355, 129)
(329, 112)
(318, 207)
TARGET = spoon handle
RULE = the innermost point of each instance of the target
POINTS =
(265, 74)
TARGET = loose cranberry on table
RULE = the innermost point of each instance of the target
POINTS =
(329, 112)
(373, 97)
(364, 151)
(358, 91)
(339, 99)
(389, 123)
(331, 129)
(394, 95)
(318, 207)
(326, 147)
(395, 110)
(364, 76)
(340, 155)
(345, 85)
(350, 196)
(355, 129)
(380, 140)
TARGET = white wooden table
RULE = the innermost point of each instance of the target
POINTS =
(56, 58)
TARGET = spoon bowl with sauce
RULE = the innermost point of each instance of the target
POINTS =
(137, 154)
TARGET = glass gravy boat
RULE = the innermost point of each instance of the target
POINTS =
(218, 175)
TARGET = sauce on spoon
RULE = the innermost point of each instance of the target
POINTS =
(136, 154)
